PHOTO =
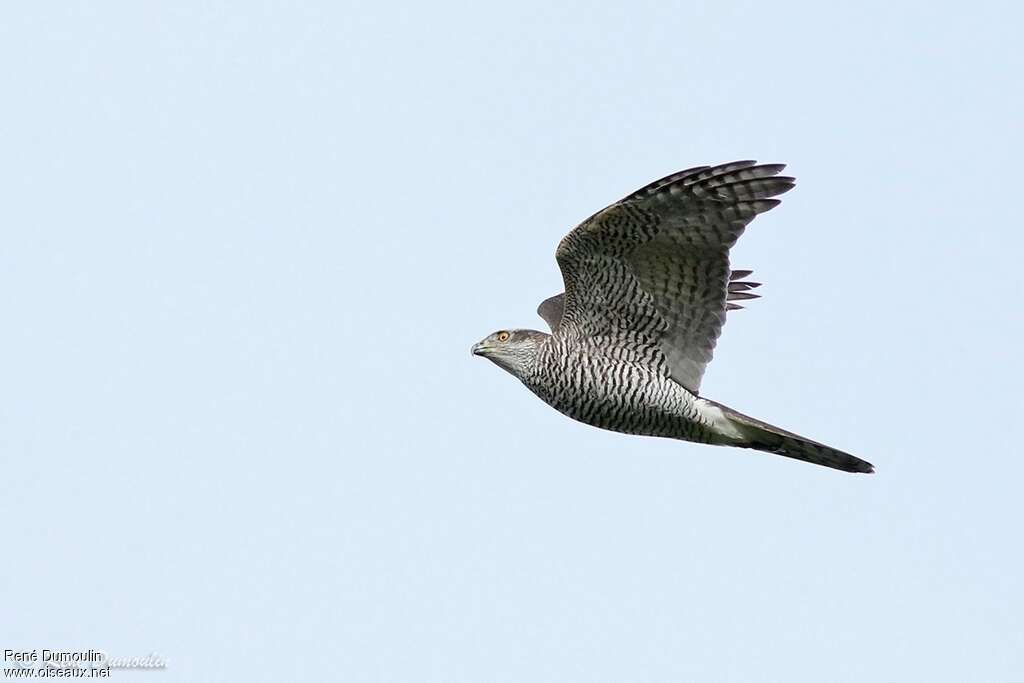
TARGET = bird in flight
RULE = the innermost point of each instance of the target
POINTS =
(647, 289)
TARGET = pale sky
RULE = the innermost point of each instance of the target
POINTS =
(248, 246)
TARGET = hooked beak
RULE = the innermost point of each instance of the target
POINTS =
(478, 349)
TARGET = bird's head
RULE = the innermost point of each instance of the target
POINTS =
(512, 350)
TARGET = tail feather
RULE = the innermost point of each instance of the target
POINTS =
(762, 436)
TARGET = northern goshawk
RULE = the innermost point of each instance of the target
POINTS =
(647, 290)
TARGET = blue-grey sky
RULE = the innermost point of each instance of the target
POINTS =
(248, 245)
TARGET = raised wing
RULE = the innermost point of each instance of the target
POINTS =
(652, 270)
(551, 310)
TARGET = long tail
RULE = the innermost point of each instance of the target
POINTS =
(762, 436)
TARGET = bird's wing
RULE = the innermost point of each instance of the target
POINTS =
(551, 310)
(739, 288)
(652, 270)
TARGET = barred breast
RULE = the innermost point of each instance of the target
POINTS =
(615, 390)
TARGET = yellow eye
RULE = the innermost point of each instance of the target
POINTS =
(503, 336)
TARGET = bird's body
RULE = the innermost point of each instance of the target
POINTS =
(589, 382)
(647, 288)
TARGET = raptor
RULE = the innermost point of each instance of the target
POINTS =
(648, 287)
